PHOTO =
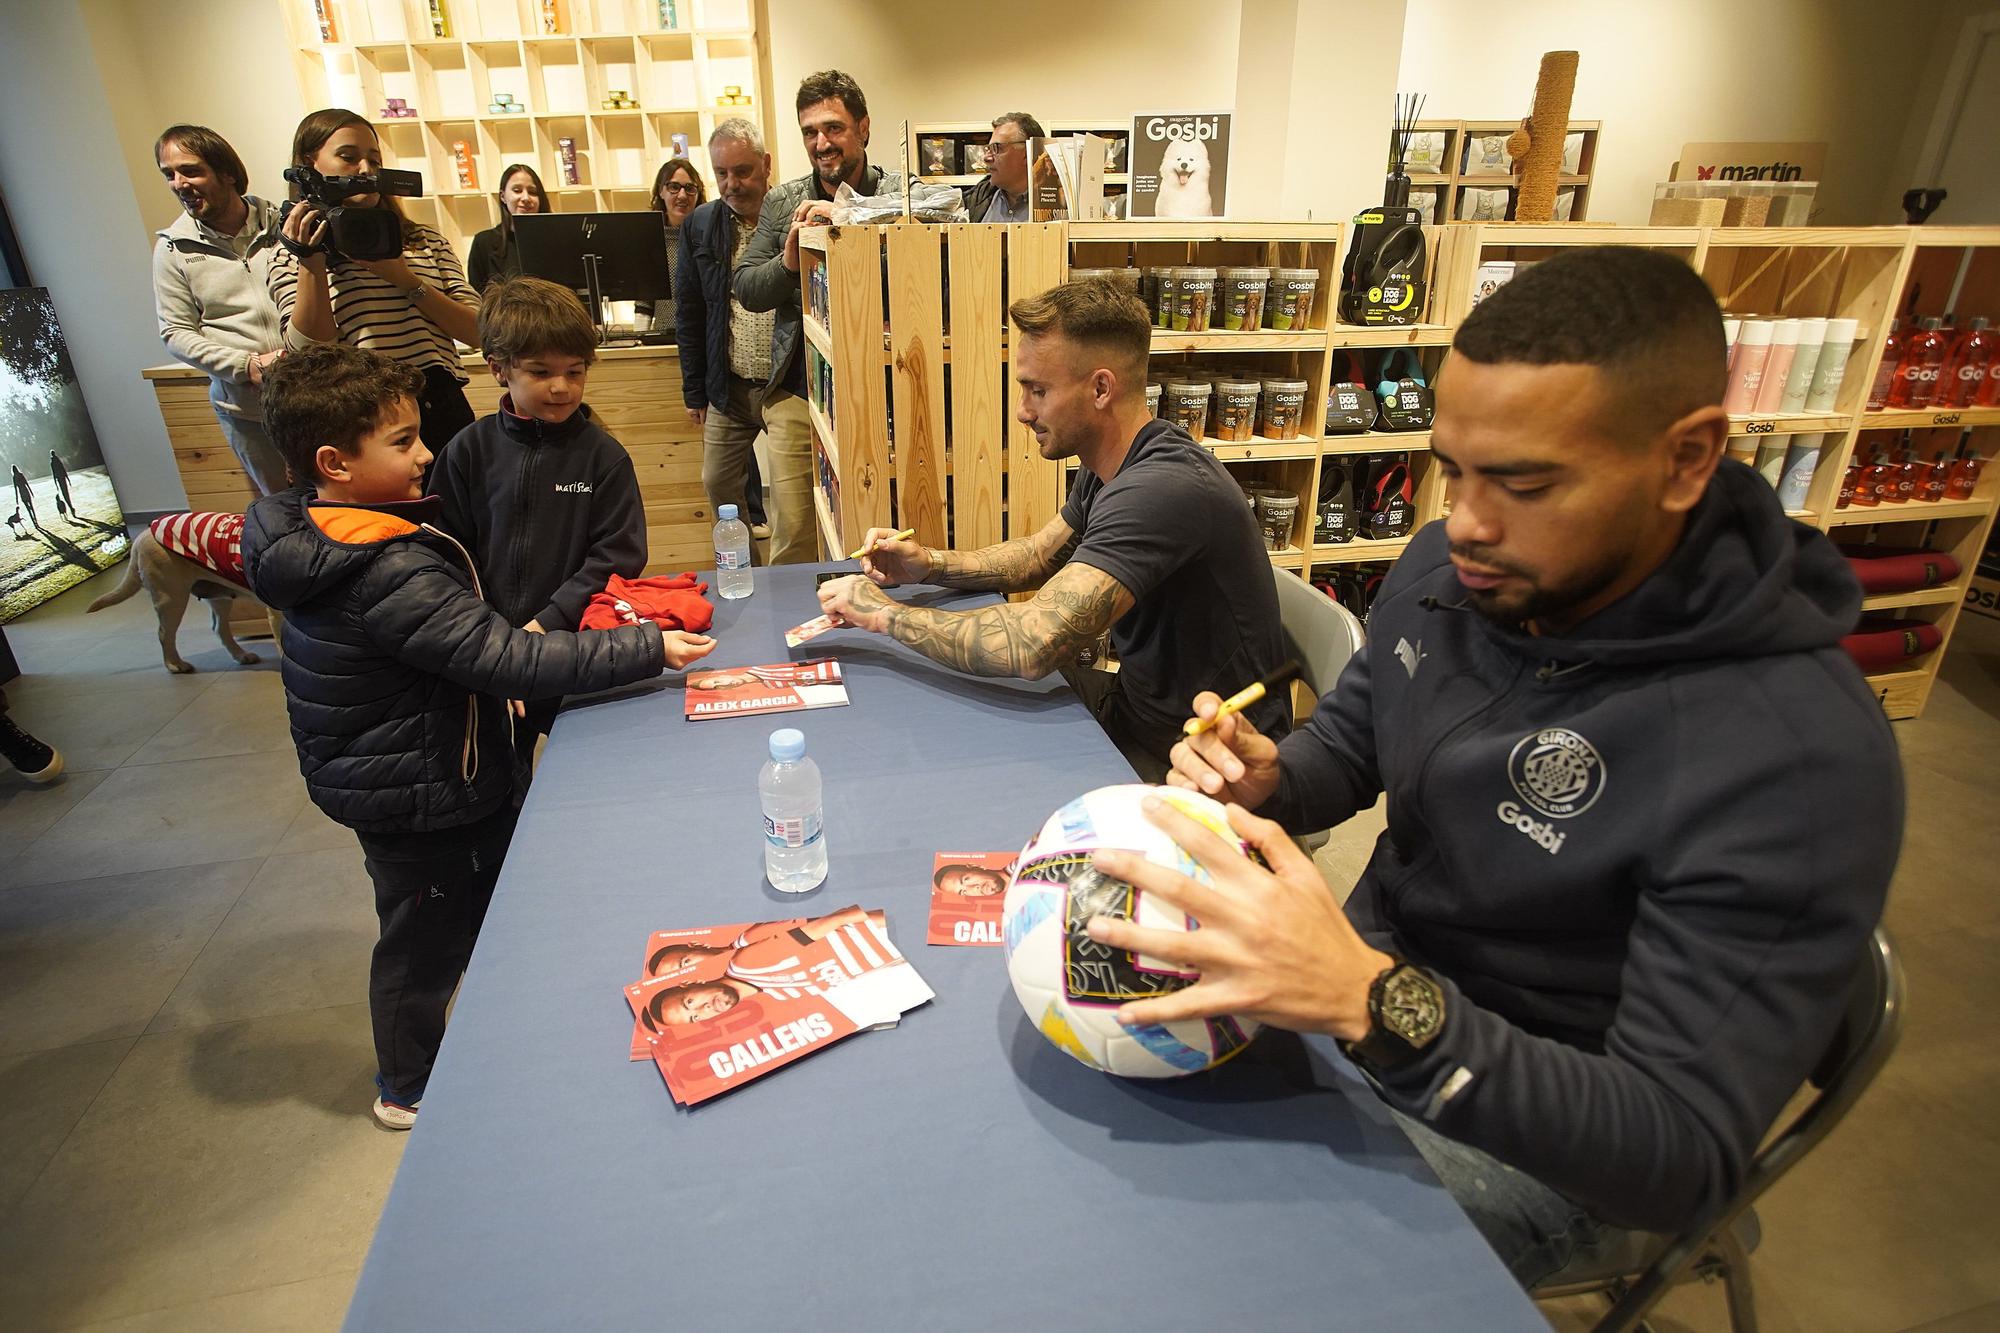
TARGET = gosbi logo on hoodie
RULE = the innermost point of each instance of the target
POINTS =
(1556, 773)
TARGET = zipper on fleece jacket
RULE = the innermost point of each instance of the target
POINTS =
(468, 758)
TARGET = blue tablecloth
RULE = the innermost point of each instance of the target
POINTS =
(956, 1172)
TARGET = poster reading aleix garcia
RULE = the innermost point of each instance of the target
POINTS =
(1180, 164)
(63, 519)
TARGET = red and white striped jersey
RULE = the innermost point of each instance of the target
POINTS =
(787, 966)
(214, 541)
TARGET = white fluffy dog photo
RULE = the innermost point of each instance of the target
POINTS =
(1184, 181)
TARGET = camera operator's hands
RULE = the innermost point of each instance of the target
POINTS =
(304, 232)
(394, 270)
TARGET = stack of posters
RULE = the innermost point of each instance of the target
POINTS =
(721, 1006)
(781, 687)
(968, 897)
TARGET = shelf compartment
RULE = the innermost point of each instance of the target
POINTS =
(1943, 595)
(1911, 511)
(1354, 552)
(1377, 442)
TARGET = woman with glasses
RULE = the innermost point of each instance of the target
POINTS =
(677, 192)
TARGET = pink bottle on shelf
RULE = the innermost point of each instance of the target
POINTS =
(1967, 365)
(1731, 326)
(1778, 366)
(1746, 374)
(1963, 478)
(1922, 362)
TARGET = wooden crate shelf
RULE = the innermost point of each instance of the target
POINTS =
(1914, 511)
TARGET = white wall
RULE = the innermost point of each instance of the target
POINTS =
(1668, 72)
(1948, 34)
(73, 205)
(920, 60)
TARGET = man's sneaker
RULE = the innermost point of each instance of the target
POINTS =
(761, 531)
(35, 761)
(394, 1115)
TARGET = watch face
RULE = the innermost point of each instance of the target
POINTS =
(1412, 1006)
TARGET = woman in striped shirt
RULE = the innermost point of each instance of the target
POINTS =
(416, 307)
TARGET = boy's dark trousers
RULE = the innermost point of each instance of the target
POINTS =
(431, 894)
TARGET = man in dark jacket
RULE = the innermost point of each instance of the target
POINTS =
(833, 119)
(725, 349)
(1642, 810)
(1002, 194)
(396, 679)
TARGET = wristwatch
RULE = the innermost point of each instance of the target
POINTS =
(1405, 1014)
(418, 292)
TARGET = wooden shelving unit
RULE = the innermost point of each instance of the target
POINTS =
(1463, 161)
(931, 462)
(381, 49)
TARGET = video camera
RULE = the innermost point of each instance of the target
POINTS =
(371, 232)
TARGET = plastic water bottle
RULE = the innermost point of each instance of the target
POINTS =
(732, 555)
(794, 824)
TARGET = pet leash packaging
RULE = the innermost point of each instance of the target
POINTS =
(1388, 498)
(1333, 519)
(1350, 404)
(1406, 400)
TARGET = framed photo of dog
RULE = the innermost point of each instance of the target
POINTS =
(1180, 164)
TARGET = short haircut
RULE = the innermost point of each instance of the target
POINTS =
(1030, 127)
(666, 173)
(334, 394)
(1644, 318)
(827, 83)
(524, 317)
(1102, 317)
(211, 148)
(742, 131)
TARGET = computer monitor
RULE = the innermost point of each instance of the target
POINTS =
(611, 256)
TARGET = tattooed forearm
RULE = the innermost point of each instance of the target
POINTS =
(1011, 566)
(1026, 641)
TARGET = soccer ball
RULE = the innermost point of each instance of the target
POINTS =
(1070, 985)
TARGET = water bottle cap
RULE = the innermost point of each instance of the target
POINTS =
(788, 744)
(727, 513)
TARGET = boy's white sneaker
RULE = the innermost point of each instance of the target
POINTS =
(394, 1115)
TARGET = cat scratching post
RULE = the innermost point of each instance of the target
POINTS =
(1539, 160)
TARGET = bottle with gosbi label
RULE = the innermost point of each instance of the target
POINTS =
(1922, 362)
(1850, 482)
(1908, 471)
(1963, 478)
(1778, 366)
(1930, 486)
(1746, 371)
(1885, 373)
(1878, 482)
(1967, 365)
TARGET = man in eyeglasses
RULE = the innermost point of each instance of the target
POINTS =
(1003, 195)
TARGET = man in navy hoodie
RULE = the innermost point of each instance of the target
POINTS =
(1642, 811)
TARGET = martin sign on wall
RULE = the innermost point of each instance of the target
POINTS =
(1751, 162)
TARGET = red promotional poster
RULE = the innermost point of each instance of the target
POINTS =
(968, 894)
(729, 1004)
(782, 687)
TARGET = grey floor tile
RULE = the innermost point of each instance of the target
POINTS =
(97, 722)
(27, 810)
(89, 960)
(312, 831)
(242, 712)
(155, 815)
(315, 1305)
(42, 1096)
(216, 1157)
(299, 938)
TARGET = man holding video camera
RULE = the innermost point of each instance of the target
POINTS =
(354, 270)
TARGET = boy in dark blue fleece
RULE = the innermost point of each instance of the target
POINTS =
(545, 497)
(396, 679)
(1642, 809)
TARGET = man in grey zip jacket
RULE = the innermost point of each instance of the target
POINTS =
(1642, 809)
(208, 287)
(833, 119)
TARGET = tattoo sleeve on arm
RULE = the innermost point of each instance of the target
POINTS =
(1026, 640)
(1011, 566)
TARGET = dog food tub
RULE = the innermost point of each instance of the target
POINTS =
(1236, 409)
(1276, 511)
(1240, 294)
(1166, 291)
(1185, 403)
(1194, 299)
(1289, 306)
(1284, 409)
(1153, 399)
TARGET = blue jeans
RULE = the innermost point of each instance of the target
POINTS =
(251, 444)
(1535, 1231)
